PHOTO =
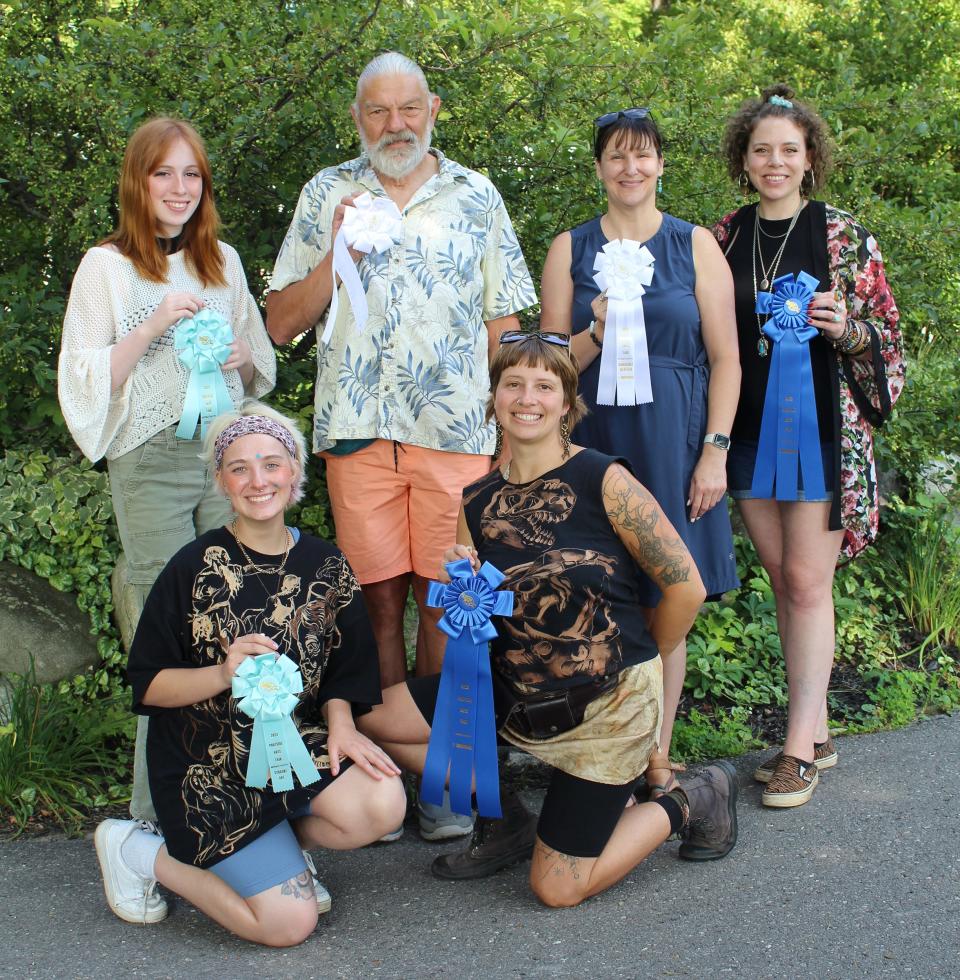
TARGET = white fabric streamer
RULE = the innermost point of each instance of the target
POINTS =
(369, 225)
(623, 267)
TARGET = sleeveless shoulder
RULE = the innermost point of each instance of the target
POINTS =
(676, 226)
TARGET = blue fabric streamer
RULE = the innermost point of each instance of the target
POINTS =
(789, 434)
(202, 343)
(464, 735)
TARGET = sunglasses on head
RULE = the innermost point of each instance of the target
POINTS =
(609, 118)
(517, 336)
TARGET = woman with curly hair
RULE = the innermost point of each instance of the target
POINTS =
(801, 523)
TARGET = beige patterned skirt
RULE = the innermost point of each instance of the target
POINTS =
(618, 733)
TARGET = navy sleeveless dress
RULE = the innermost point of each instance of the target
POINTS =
(662, 439)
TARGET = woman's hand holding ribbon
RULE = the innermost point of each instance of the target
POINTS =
(240, 357)
(345, 742)
(173, 307)
(828, 313)
(709, 482)
(248, 645)
(599, 309)
(455, 553)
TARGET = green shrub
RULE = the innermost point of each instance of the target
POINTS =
(699, 736)
(58, 757)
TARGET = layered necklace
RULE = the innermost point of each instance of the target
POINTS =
(769, 273)
(260, 569)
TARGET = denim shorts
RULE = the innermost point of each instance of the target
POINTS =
(742, 459)
(271, 859)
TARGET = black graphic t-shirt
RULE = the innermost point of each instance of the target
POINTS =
(577, 607)
(197, 755)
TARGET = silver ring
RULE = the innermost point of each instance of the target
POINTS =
(836, 317)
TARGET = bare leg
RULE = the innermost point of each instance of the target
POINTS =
(431, 642)
(399, 728)
(353, 811)
(561, 880)
(283, 915)
(809, 561)
(386, 602)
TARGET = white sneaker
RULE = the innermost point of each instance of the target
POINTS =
(440, 822)
(130, 896)
(323, 896)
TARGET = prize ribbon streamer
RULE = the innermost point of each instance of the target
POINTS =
(370, 225)
(464, 734)
(202, 343)
(267, 687)
(623, 267)
(789, 434)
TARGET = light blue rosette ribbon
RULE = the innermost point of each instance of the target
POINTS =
(267, 687)
(202, 343)
(789, 434)
(464, 734)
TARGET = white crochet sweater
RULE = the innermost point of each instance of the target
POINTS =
(108, 299)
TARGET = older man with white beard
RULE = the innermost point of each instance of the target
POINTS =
(399, 408)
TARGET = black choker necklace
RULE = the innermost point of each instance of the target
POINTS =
(169, 246)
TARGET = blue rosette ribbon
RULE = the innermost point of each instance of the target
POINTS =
(789, 434)
(267, 688)
(202, 343)
(464, 734)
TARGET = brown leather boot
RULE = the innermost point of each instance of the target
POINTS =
(495, 844)
(711, 830)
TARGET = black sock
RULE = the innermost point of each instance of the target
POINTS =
(673, 810)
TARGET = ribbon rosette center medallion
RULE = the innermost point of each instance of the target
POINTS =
(623, 269)
(463, 739)
(267, 688)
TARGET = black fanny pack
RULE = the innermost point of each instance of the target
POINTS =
(546, 715)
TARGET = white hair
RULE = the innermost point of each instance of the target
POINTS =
(390, 63)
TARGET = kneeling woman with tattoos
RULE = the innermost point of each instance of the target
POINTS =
(250, 588)
(571, 529)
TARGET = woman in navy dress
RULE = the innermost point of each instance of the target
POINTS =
(677, 444)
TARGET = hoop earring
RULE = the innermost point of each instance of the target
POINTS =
(807, 183)
(498, 447)
(565, 436)
(743, 182)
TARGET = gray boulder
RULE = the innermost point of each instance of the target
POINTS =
(37, 619)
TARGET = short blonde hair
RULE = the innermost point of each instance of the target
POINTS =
(252, 407)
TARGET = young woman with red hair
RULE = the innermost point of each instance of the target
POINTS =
(121, 383)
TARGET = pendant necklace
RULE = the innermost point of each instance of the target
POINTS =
(769, 274)
(259, 570)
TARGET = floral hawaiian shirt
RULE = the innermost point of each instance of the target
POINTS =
(867, 388)
(418, 373)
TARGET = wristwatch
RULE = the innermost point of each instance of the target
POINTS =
(717, 439)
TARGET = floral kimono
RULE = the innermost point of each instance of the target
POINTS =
(864, 391)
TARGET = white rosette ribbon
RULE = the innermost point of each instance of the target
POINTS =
(371, 224)
(623, 268)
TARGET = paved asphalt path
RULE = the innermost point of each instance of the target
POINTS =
(864, 881)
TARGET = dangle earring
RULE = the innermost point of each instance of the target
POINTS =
(743, 181)
(565, 436)
(660, 185)
(498, 447)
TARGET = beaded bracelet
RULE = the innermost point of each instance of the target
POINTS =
(854, 338)
(592, 331)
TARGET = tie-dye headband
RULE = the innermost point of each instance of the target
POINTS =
(252, 425)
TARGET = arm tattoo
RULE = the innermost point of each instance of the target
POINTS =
(557, 863)
(299, 887)
(635, 516)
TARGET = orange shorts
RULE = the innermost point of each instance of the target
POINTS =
(395, 506)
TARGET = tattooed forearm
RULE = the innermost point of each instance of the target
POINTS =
(557, 863)
(299, 887)
(641, 525)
